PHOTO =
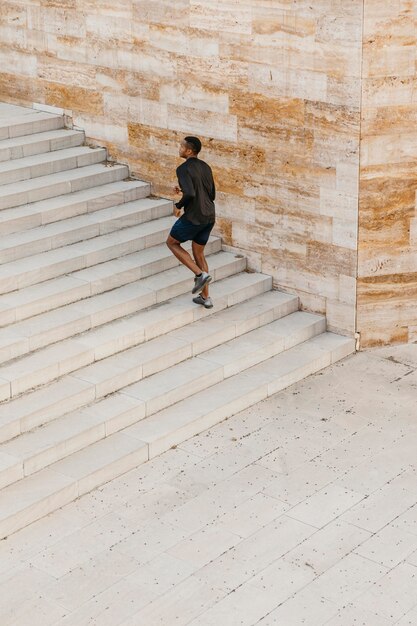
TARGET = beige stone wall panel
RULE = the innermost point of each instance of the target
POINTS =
(272, 87)
(14, 14)
(387, 250)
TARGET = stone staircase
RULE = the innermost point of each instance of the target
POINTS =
(105, 360)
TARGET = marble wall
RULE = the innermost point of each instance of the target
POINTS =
(387, 255)
(273, 88)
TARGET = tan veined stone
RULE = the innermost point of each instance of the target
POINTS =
(57, 20)
(224, 16)
(184, 40)
(331, 117)
(388, 60)
(19, 88)
(213, 71)
(60, 4)
(388, 91)
(63, 73)
(162, 11)
(13, 13)
(196, 95)
(276, 91)
(389, 120)
(283, 21)
(335, 259)
(270, 110)
(397, 30)
(225, 229)
(77, 98)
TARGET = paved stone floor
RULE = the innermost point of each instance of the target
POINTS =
(300, 510)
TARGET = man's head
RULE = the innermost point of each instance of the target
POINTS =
(189, 147)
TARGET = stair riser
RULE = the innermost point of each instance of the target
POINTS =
(228, 410)
(83, 233)
(40, 509)
(42, 146)
(152, 406)
(82, 323)
(52, 167)
(84, 355)
(37, 416)
(130, 275)
(154, 448)
(51, 190)
(74, 209)
(31, 127)
(221, 372)
(80, 261)
(90, 388)
(82, 289)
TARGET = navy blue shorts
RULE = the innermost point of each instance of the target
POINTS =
(183, 230)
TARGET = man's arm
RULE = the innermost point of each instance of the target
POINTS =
(187, 188)
(213, 192)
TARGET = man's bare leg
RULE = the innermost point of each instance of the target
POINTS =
(200, 259)
(182, 255)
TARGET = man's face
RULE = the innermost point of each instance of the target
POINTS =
(184, 151)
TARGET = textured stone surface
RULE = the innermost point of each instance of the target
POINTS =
(387, 262)
(262, 520)
(272, 88)
(312, 190)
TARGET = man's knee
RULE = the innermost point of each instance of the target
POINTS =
(171, 242)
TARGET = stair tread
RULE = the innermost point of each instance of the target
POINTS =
(100, 302)
(89, 281)
(106, 360)
(33, 122)
(57, 359)
(27, 492)
(224, 325)
(160, 431)
(243, 352)
(58, 155)
(49, 135)
(89, 219)
(259, 376)
(25, 118)
(227, 323)
(60, 202)
(43, 259)
(50, 179)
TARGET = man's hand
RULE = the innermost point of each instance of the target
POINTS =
(177, 212)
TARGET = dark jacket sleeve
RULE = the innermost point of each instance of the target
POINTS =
(213, 192)
(186, 185)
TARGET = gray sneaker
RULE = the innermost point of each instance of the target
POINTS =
(200, 282)
(206, 302)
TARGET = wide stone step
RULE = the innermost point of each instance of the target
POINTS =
(29, 124)
(44, 187)
(70, 205)
(206, 408)
(35, 450)
(64, 357)
(81, 228)
(46, 265)
(43, 492)
(48, 328)
(39, 143)
(41, 165)
(112, 373)
(57, 292)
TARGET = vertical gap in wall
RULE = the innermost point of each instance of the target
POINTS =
(359, 163)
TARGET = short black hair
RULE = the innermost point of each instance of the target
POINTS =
(193, 144)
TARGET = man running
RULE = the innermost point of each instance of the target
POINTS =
(195, 180)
